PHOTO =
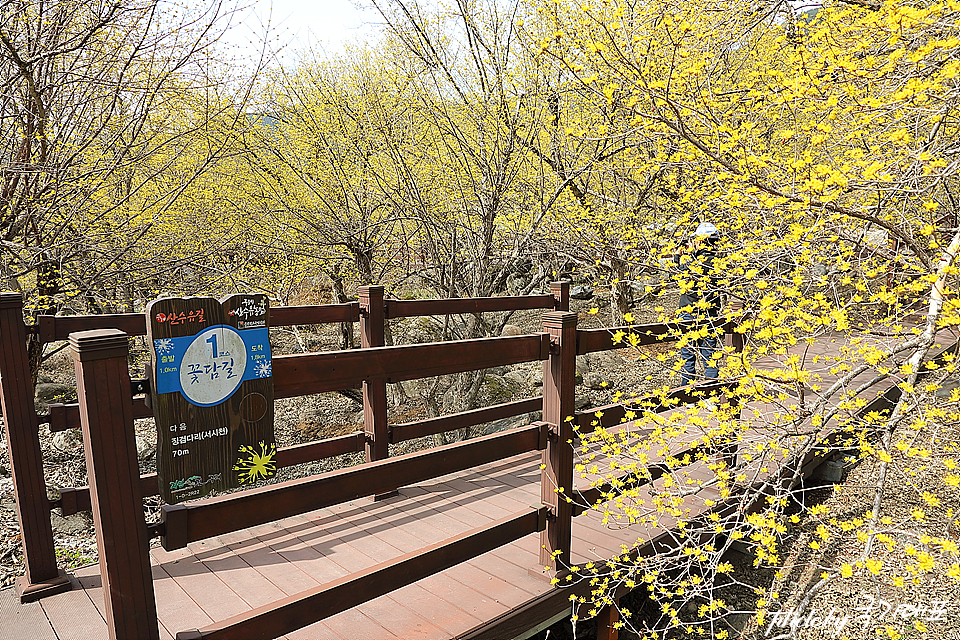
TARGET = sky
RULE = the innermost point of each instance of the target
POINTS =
(297, 24)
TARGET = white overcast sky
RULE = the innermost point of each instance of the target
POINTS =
(296, 24)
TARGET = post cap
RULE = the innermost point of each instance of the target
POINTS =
(559, 319)
(10, 299)
(98, 344)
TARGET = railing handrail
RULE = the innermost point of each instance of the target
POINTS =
(54, 328)
(308, 373)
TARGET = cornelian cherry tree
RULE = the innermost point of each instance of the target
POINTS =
(823, 146)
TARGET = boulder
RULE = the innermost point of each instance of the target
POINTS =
(581, 292)
(515, 284)
(583, 366)
(69, 441)
(498, 388)
(312, 415)
(77, 524)
(509, 423)
(535, 378)
(877, 237)
(947, 388)
(511, 330)
(595, 381)
(603, 360)
(420, 330)
(518, 377)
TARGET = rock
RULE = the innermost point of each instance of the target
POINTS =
(421, 330)
(602, 360)
(595, 381)
(69, 441)
(583, 366)
(581, 292)
(877, 237)
(515, 284)
(947, 388)
(511, 330)
(582, 402)
(4, 472)
(311, 415)
(53, 392)
(535, 378)
(145, 448)
(509, 423)
(641, 288)
(518, 377)
(77, 524)
(499, 388)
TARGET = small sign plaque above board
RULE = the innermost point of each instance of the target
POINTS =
(211, 393)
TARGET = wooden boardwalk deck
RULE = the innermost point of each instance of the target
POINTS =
(220, 577)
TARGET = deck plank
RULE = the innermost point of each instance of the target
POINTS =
(349, 625)
(176, 610)
(273, 566)
(246, 581)
(373, 548)
(400, 621)
(205, 588)
(23, 621)
(74, 616)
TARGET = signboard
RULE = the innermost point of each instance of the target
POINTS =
(211, 393)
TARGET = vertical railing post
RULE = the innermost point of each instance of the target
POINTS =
(561, 295)
(558, 408)
(374, 391)
(109, 443)
(42, 577)
(607, 622)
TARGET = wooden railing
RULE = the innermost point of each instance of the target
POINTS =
(22, 422)
(106, 410)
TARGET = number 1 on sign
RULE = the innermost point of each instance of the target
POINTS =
(213, 343)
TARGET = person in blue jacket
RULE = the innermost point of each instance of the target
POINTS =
(700, 301)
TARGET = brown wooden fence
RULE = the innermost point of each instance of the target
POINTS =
(107, 408)
(22, 422)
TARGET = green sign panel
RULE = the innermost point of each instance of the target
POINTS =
(211, 393)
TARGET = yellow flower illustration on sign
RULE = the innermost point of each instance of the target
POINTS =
(253, 465)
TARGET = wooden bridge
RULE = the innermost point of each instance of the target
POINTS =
(462, 540)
